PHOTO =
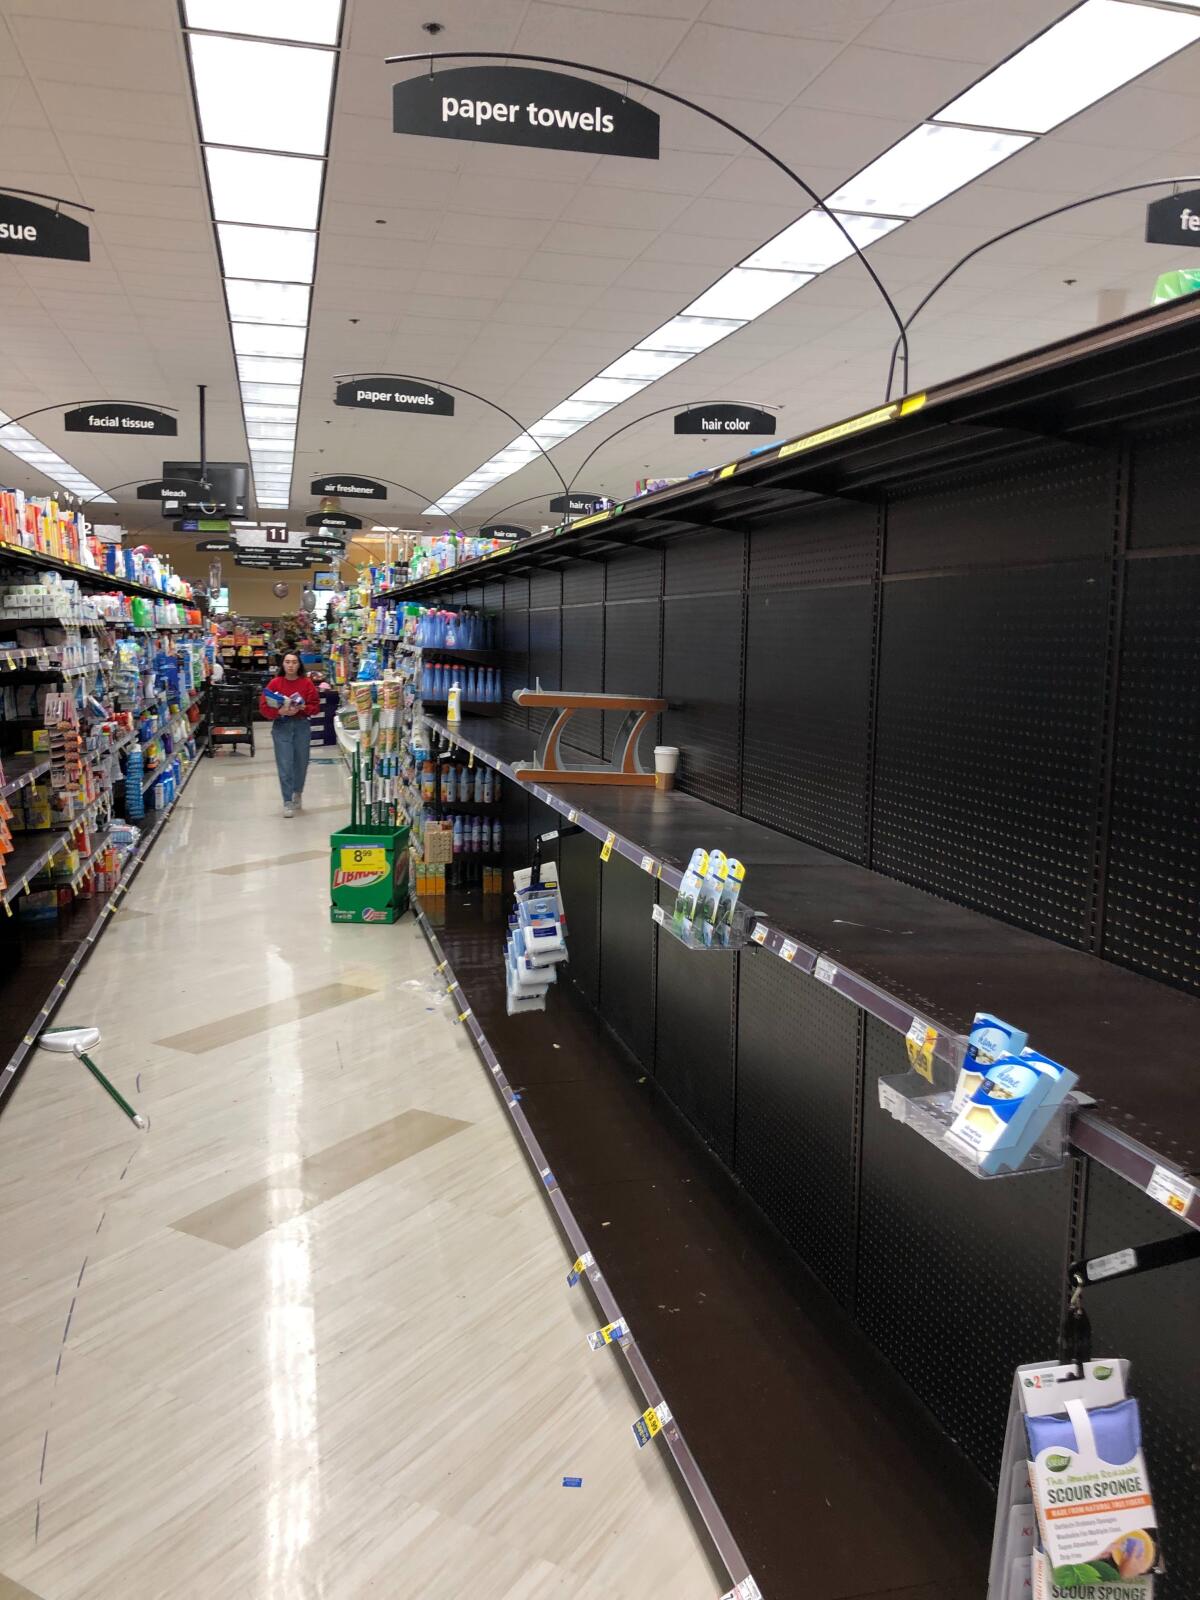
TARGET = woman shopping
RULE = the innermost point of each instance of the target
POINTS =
(288, 701)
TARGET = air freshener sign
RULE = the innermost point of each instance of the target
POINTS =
(522, 105)
(113, 417)
(724, 419)
(351, 485)
(392, 394)
(27, 229)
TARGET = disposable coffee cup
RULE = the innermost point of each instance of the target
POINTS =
(666, 760)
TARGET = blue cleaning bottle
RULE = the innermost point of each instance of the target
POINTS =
(494, 696)
(458, 835)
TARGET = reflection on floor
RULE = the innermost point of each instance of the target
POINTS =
(309, 1338)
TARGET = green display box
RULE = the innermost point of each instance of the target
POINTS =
(368, 874)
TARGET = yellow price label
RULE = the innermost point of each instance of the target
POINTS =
(919, 1042)
(606, 849)
(373, 858)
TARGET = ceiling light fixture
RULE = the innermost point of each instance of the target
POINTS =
(1091, 51)
(262, 96)
(306, 21)
(253, 300)
(269, 190)
(283, 254)
(814, 243)
(18, 441)
(924, 167)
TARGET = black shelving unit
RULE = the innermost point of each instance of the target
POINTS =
(933, 673)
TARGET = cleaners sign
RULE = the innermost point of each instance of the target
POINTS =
(724, 419)
(27, 229)
(391, 394)
(113, 417)
(522, 105)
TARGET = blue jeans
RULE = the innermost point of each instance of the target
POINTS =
(291, 738)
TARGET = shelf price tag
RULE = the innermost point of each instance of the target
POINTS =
(586, 1260)
(825, 970)
(787, 950)
(648, 865)
(658, 914)
(759, 936)
(893, 1102)
(746, 1590)
(606, 849)
(650, 1423)
(373, 858)
(1171, 1190)
(919, 1041)
(612, 1333)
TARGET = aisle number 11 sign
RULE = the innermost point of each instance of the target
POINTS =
(526, 106)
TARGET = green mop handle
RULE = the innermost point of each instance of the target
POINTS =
(114, 1093)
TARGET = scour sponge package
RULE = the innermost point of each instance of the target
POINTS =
(1091, 1493)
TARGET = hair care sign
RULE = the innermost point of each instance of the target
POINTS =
(394, 394)
(527, 106)
(727, 419)
(349, 484)
(577, 504)
(110, 416)
(28, 229)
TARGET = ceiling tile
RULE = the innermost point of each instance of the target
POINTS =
(733, 61)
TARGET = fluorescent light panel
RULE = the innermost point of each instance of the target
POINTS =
(266, 339)
(745, 293)
(283, 254)
(923, 168)
(253, 300)
(307, 21)
(690, 334)
(262, 96)
(1093, 50)
(815, 243)
(18, 441)
(270, 369)
(273, 191)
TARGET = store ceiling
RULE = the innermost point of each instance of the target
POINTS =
(520, 273)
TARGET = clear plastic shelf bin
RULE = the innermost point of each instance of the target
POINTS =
(927, 1108)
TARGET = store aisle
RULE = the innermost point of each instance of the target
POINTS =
(310, 1336)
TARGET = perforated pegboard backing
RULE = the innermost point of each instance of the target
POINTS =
(706, 563)
(1051, 504)
(579, 872)
(991, 700)
(545, 587)
(694, 1053)
(583, 582)
(959, 1279)
(583, 668)
(632, 639)
(1152, 1320)
(514, 674)
(545, 648)
(1166, 486)
(796, 1075)
(702, 668)
(627, 955)
(636, 575)
(1152, 900)
(808, 714)
(826, 544)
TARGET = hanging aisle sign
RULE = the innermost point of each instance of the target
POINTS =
(504, 530)
(167, 489)
(522, 105)
(27, 229)
(393, 394)
(216, 544)
(1175, 219)
(724, 419)
(577, 505)
(332, 519)
(113, 417)
(351, 485)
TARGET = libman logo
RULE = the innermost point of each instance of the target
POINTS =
(345, 878)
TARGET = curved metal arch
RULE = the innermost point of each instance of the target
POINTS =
(1044, 216)
(680, 405)
(669, 94)
(36, 194)
(413, 377)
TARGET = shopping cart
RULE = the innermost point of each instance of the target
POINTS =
(231, 716)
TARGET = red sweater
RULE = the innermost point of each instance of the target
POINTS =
(285, 686)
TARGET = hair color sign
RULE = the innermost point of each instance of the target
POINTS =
(526, 106)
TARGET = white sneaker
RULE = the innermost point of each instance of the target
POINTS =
(298, 802)
(287, 810)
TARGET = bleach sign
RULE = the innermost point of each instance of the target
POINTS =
(522, 105)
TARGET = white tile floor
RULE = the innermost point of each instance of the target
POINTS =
(379, 1396)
